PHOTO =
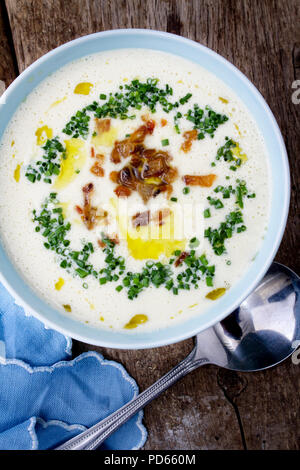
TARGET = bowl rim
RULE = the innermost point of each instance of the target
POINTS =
(260, 272)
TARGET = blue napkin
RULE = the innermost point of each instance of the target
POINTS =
(45, 397)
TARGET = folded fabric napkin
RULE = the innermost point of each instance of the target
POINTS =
(45, 397)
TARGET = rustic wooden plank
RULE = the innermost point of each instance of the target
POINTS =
(269, 408)
(207, 409)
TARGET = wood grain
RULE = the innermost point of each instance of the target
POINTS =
(209, 409)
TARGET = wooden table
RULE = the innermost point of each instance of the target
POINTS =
(210, 408)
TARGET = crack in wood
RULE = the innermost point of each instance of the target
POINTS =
(296, 60)
(233, 385)
(9, 36)
(174, 24)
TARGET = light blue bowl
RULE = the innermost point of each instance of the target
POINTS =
(280, 191)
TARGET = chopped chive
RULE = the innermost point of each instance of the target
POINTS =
(81, 272)
(194, 242)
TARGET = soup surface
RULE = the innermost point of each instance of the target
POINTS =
(135, 189)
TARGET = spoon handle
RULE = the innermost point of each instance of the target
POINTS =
(94, 436)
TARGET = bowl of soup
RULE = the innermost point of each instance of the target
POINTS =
(145, 188)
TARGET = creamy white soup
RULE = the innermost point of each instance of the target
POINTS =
(134, 189)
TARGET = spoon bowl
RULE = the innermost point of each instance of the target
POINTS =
(261, 333)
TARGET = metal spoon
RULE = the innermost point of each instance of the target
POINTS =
(262, 332)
